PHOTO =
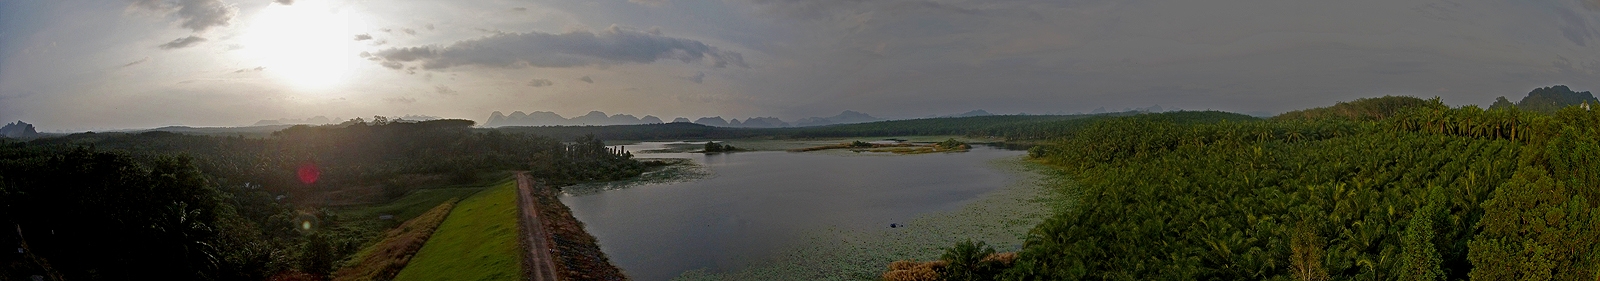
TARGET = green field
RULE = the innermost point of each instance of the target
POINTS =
(405, 208)
(477, 242)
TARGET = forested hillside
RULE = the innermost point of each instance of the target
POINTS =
(1376, 189)
(136, 206)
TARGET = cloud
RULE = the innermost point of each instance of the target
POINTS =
(822, 8)
(442, 90)
(697, 78)
(586, 79)
(520, 9)
(428, 26)
(363, 37)
(402, 100)
(652, 3)
(1574, 27)
(285, 2)
(143, 60)
(196, 15)
(542, 82)
(182, 42)
(570, 49)
(409, 31)
(256, 69)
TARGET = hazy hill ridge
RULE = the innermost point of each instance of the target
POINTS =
(18, 130)
(1549, 99)
(598, 118)
(846, 117)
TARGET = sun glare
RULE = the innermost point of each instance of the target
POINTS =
(306, 45)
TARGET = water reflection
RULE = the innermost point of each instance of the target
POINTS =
(756, 202)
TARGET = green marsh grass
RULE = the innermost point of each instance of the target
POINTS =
(384, 259)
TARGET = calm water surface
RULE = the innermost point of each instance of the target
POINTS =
(755, 203)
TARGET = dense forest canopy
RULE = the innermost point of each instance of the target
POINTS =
(230, 208)
(1362, 190)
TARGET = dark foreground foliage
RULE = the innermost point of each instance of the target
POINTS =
(181, 207)
(1364, 192)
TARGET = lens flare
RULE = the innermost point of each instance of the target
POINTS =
(309, 173)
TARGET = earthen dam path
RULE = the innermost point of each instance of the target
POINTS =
(541, 266)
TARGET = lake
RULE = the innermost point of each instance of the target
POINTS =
(755, 203)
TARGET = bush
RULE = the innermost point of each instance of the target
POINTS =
(971, 261)
(914, 271)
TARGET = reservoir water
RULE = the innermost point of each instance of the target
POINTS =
(754, 203)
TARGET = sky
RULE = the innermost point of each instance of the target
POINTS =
(74, 65)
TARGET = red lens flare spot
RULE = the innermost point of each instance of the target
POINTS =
(309, 173)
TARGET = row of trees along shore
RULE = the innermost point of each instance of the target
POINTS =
(115, 206)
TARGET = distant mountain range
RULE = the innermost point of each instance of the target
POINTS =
(845, 117)
(324, 120)
(597, 118)
(546, 118)
(18, 130)
(1152, 109)
(974, 113)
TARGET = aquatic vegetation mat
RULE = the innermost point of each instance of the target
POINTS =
(677, 170)
(999, 218)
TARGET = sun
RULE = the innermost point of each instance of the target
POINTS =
(307, 44)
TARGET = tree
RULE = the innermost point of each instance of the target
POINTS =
(1502, 103)
(1420, 258)
(1534, 229)
(138, 220)
(967, 261)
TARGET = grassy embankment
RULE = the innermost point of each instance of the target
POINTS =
(1000, 218)
(477, 242)
(385, 259)
(405, 208)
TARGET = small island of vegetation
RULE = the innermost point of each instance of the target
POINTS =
(897, 147)
(715, 147)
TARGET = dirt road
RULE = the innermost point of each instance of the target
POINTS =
(541, 266)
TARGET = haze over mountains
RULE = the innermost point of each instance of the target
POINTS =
(323, 120)
(597, 118)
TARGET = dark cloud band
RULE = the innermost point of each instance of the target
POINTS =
(571, 49)
(184, 42)
(196, 15)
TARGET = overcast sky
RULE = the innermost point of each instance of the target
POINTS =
(98, 64)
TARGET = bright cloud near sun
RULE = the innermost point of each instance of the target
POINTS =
(307, 45)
